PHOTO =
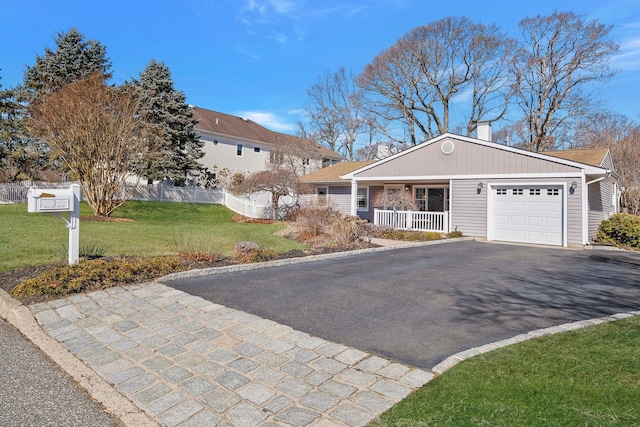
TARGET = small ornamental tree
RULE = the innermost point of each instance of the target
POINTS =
(278, 181)
(396, 200)
(97, 131)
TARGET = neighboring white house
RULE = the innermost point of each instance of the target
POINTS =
(242, 145)
(482, 189)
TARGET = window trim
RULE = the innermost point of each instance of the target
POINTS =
(366, 199)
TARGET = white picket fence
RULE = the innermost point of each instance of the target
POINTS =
(412, 220)
(17, 193)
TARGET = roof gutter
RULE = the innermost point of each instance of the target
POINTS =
(602, 178)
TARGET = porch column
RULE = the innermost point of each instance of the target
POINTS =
(354, 197)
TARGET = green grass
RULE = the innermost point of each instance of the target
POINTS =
(159, 228)
(589, 377)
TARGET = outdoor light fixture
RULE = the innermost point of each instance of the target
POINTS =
(479, 189)
(572, 188)
(407, 188)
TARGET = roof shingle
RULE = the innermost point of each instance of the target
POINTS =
(226, 124)
(334, 172)
(589, 156)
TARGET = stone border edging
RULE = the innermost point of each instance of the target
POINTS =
(99, 389)
(453, 360)
(299, 260)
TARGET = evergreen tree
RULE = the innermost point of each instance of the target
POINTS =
(165, 106)
(74, 58)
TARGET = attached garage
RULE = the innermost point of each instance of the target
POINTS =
(527, 214)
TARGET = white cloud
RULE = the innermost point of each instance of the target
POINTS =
(269, 120)
(629, 56)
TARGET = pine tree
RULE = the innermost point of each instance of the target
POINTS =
(165, 106)
(74, 58)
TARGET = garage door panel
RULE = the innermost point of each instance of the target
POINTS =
(528, 214)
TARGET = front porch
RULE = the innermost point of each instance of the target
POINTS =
(412, 220)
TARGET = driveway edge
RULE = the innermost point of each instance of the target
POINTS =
(98, 389)
(453, 360)
(291, 261)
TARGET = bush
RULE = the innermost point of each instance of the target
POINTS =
(411, 236)
(621, 229)
(97, 274)
(249, 252)
(314, 220)
(347, 232)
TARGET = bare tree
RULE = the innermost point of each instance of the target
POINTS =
(562, 54)
(98, 133)
(416, 80)
(276, 180)
(336, 112)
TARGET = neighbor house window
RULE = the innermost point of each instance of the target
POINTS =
(256, 149)
(239, 150)
(363, 198)
(322, 193)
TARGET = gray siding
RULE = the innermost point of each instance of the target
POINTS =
(468, 158)
(469, 209)
(340, 198)
(600, 205)
(607, 163)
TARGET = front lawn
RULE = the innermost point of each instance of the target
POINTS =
(146, 229)
(588, 377)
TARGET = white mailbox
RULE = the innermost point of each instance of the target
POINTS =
(56, 201)
(50, 200)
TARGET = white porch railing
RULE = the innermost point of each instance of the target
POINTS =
(412, 220)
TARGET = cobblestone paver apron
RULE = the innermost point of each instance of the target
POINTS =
(188, 362)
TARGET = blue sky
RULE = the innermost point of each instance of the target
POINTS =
(258, 58)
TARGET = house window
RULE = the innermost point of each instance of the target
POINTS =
(518, 191)
(239, 150)
(363, 198)
(534, 191)
(501, 191)
(322, 193)
(553, 192)
(256, 149)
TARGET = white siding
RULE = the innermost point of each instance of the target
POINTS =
(223, 155)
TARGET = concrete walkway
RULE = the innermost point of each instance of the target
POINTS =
(189, 362)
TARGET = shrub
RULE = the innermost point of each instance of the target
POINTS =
(454, 234)
(249, 252)
(97, 274)
(412, 236)
(347, 231)
(314, 220)
(621, 229)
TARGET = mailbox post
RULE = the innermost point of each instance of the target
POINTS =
(57, 201)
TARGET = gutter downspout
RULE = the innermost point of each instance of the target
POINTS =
(585, 201)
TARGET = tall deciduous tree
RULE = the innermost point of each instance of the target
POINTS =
(336, 112)
(562, 53)
(165, 106)
(417, 79)
(98, 132)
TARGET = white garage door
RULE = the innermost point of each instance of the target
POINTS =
(528, 214)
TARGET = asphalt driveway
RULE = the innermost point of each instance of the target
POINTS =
(423, 304)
